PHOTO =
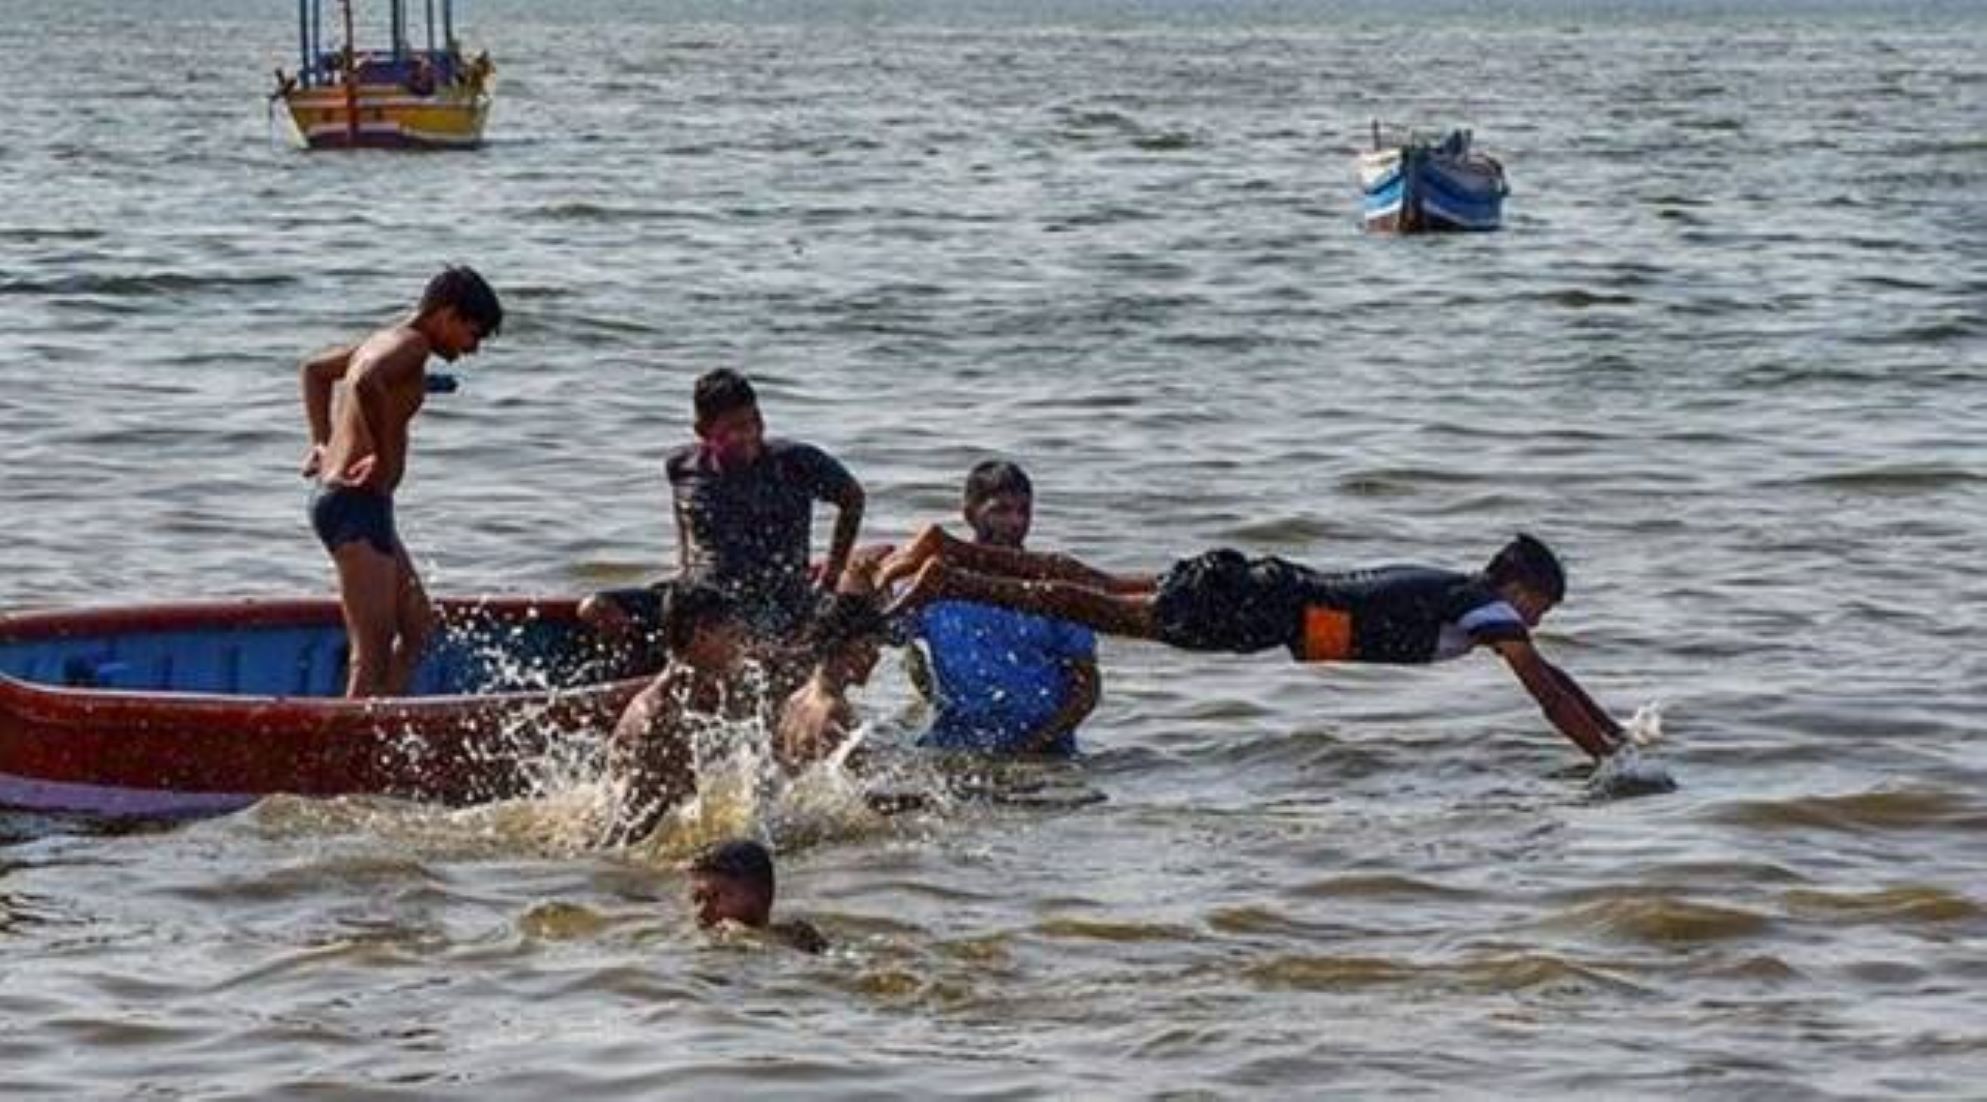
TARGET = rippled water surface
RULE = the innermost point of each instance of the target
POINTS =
(1730, 356)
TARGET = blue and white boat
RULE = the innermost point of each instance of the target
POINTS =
(1417, 183)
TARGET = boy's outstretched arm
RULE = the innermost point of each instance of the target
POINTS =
(1565, 703)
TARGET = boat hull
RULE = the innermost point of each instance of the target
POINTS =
(387, 116)
(74, 740)
(1416, 189)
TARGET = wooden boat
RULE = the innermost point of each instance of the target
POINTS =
(204, 708)
(402, 97)
(1415, 183)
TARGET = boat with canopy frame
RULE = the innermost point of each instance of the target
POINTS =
(404, 96)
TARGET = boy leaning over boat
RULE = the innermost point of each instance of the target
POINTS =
(358, 455)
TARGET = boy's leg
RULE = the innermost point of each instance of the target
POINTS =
(1126, 613)
(368, 593)
(414, 625)
(1012, 562)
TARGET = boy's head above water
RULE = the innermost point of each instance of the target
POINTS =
(999, 503)
(701, 628)
(458, 312)
(728, 420)
(1526, 573)
(733, 881)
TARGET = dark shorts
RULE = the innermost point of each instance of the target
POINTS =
(1223, 601)
(341, 514)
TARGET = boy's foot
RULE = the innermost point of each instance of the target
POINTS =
(929, 544)
(928, 586)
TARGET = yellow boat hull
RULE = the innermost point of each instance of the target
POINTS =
(387, 116)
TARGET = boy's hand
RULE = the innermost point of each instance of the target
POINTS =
(359, 472)
(313, 461)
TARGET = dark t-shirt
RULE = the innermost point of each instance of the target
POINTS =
(747, 530)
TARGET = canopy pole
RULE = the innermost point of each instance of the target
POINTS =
(303, 40)
(316, 41)
(448, 21)
(431, 26)
(351, 79)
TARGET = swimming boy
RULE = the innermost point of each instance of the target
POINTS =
(1003, 682)
(744, 506)
(651, 754)
(358, 454)
(818, 717)
(1222, 601)
(732, 882)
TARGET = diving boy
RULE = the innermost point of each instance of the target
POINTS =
(358, 455)
(1222, 601)
(744, 505)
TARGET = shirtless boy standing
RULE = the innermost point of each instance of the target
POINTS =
(358, 454)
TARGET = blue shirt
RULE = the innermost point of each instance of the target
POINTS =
(998, 675)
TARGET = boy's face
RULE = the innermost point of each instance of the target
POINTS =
(735, 437)
(1001, 519)
(719, 648)
(455, 335)
(717, 897)
(1530, 603)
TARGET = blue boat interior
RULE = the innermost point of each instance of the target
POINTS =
(476, 657)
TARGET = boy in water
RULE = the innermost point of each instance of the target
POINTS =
(733, 882)
(744, 505)
(651, 753)
(818, 717)
(358, 454)
(1222, 601)
(1003, 682)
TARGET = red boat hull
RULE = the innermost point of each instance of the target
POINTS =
(134, 752)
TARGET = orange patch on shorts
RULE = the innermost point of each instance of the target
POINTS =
(1327, 634)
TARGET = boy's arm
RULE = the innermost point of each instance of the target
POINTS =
(647, 755)
(1566, 704)
(1084, 686)
(848, 524)
(319, 374)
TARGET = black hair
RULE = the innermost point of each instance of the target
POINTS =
(847, 618)
(996, 476)
(1529, 562)
(721, 391)
(688, 608)
(460, 287)
(737, 859)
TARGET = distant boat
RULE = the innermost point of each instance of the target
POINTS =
(200, 709)
(1415, 183)
(401, 97)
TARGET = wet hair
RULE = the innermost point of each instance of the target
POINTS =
(996, 476)
(847, 618)
(721, 391)
(459, 286)
(689, 608)
(1528, 562)
(738, 859)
